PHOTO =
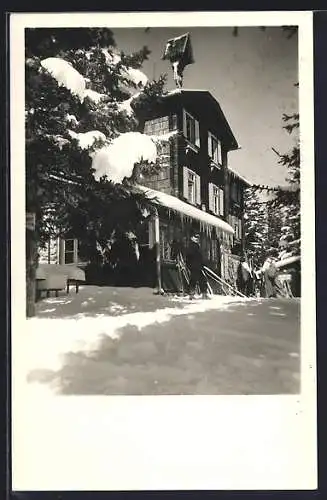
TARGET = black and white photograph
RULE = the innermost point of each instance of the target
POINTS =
(163, 245)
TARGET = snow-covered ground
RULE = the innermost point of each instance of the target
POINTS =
(45, 340)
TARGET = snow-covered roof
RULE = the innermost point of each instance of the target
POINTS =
(240, 176)
(178, 205)
(180, 91)
(288, 260)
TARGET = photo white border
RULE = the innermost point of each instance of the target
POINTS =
(165, 443)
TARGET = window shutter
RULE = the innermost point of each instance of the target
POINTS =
(211, 205)
(75, 251)
(198, 189)
(209, 144)
(221, 202)
(184, 123)
(197, 133)
(185, 184)
(220, 161)
(61, 251)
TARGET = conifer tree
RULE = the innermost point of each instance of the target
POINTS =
(81, 93)
(283, 204)
(256, 226)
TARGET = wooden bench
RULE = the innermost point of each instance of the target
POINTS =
(55, 277)
(51, 283)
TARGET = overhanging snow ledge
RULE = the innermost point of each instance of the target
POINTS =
(178, 205)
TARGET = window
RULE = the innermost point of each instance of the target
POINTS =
(49, 254)
(166, 239)
(70, 251)
(164, 243)
(191, 128)
(216, 199)
(235, 192)
(191, 186)
(214, 149)
(236, 224)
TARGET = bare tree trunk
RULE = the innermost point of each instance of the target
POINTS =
(31, 265)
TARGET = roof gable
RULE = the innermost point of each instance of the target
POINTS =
(207, 106)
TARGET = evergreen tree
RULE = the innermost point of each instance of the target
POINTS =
(79, 91)
(255, 226)
(284, 204)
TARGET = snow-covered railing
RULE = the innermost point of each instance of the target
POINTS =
(180, 206)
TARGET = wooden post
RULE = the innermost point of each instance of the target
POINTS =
(157, 245)
(49, 251)
(31, 264)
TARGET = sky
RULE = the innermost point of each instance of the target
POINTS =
(252, 76)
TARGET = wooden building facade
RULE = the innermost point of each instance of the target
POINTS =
(193, 159)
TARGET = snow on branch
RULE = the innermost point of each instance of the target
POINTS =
(117, 160)
(163, 137)
(93, 95)
(126, 105)
(57, 139)
(112, 59)
(87, 139)
(63, 179)
(71, 119)
(134, 75)
(66, 75)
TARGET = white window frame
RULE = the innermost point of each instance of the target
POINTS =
(74, 251)
(236, 224)
(195, 199)
(216, 155)
(196, 142)
(216, 199)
